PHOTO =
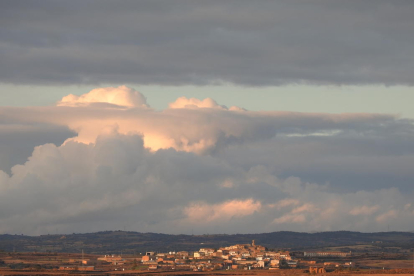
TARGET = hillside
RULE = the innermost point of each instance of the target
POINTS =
(135, 242)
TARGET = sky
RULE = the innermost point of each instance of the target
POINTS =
(206, 116)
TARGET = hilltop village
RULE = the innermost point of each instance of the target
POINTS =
(239, 256)
(138, 253)
(238, 259)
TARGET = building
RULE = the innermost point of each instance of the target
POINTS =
(327, 254)
(79, 268)
(317, 270)
(199, 254)
(153, 265)
(207, 251)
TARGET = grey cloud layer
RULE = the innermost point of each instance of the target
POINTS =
(18, 140)
(210, 169)
(200, 42)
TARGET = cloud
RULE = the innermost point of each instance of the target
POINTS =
(205, 213)
(184, 102)
(290, 218)
(153, 42)
(364, 210)
(84, 187)
(191, 103)
(214, 170)
(18, 140)
(211, 128)
(284, 203)
(121, 96)
(305, 208)
(391, 214)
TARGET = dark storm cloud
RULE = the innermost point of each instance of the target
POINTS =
(17, 140)
(202, 42)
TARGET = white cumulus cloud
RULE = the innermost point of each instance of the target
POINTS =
(121, 96)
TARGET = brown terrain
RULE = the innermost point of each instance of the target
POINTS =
(51, 264)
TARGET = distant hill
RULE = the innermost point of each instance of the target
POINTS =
(134, 242)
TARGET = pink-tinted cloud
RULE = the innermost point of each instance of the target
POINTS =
(364, 210)
(184, 102)
(391, 214)
(284, 203)
(236, 208)
(121, 96)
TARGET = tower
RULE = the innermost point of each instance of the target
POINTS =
(253, 243)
